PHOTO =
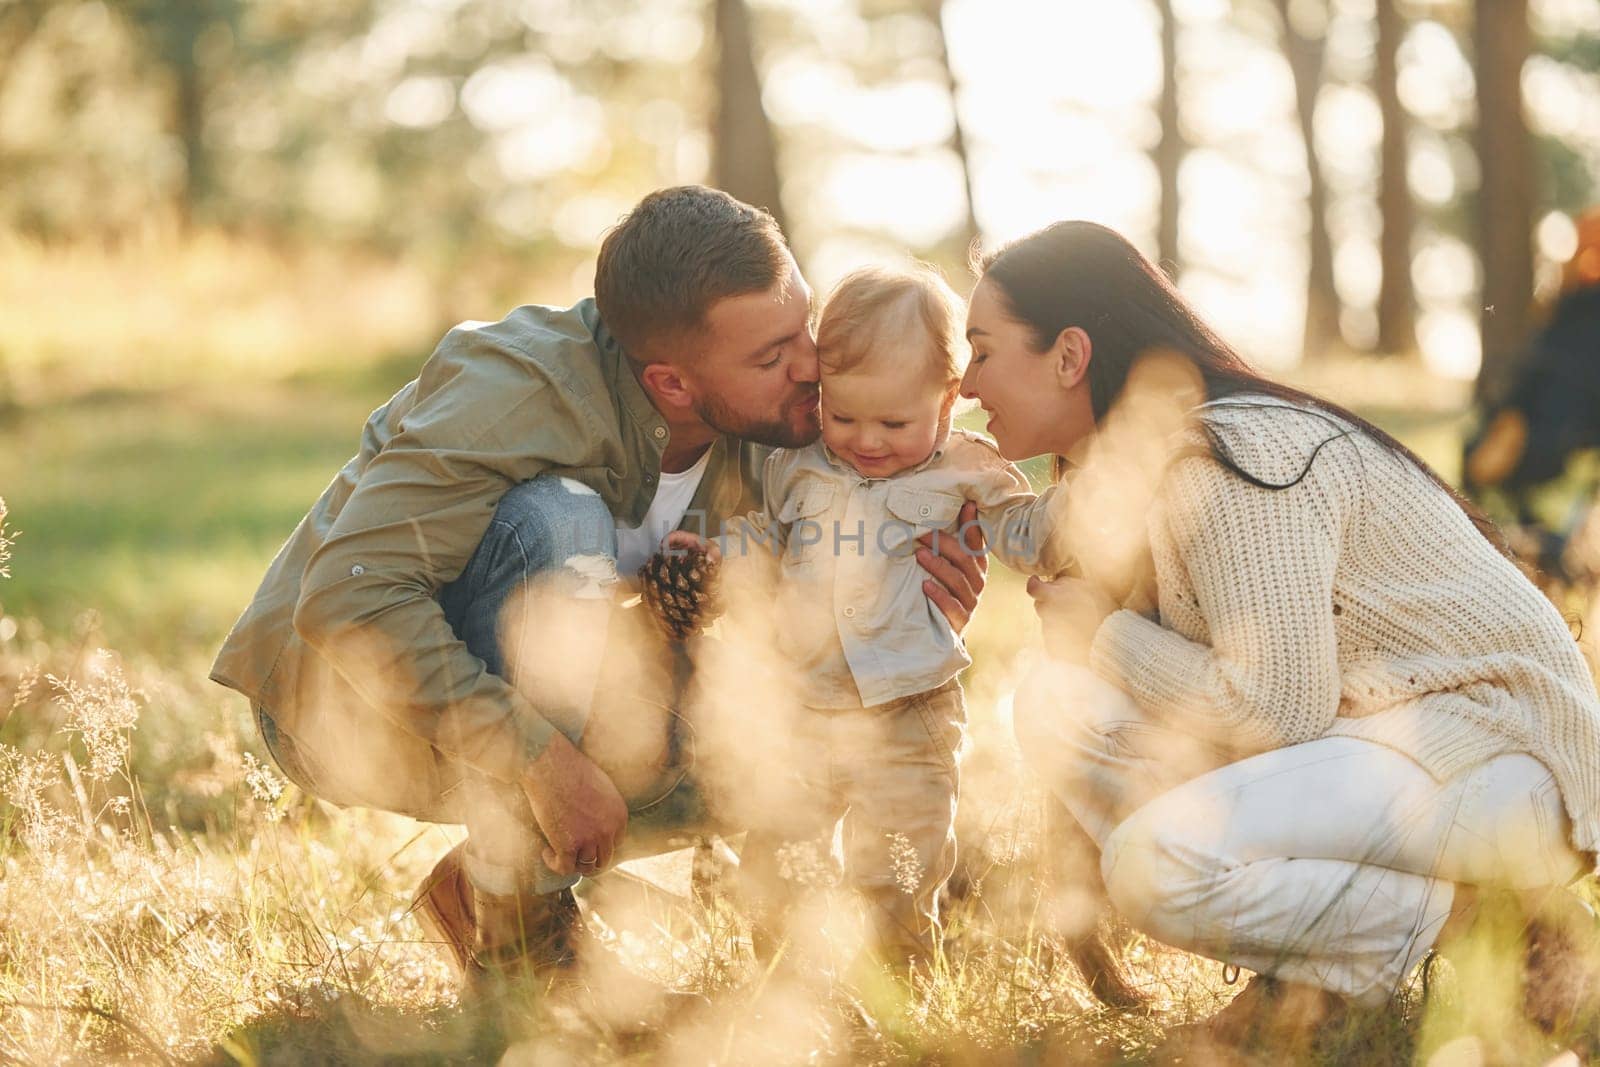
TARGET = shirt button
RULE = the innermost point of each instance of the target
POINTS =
(358, 569)
(849, 613)
(925, 510)
(661, 431)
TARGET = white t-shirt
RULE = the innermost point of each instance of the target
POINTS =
(637, 544)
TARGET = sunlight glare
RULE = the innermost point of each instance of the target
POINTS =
(420, 101)
(898, 117)
(1445, 271)
(571, 139)
(1557, 236)
(1357, 270)
(1435, 80)
(1429, 170)
(1348, 129)
(1450, 344)
(514, 93)
(916, 199)
(800, 89)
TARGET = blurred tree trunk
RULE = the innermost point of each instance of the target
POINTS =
(1397, 327)
(176, 32)
(189, 116)
(1170, 149)
(744, 151)
(19, 20)
(1305, 56)
(1505, 192)
(934, 9)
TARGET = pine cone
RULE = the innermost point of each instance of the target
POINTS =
(680, 590)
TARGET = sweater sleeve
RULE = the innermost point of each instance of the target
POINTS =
(1260, 565)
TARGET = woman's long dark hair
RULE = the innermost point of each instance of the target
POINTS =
(1085, 275)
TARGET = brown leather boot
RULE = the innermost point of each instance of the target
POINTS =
(495, 941)
(500, 936)
(444, 908)
(1561, 990)
(1284, 1018)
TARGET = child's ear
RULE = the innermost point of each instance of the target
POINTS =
(1072, 352)
(951, 394)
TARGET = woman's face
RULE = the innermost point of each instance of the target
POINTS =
(1037, 402)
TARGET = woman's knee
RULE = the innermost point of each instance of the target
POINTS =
(1153, 873)
(1056, 703)
(1033, 709)
(1072, 727)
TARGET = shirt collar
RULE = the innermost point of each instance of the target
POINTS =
(839, 464)
(630, 395)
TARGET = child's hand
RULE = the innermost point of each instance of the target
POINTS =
(680, 541)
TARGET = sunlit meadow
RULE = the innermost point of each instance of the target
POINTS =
(167, 898)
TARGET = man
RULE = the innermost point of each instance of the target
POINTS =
(435, 634)
(1550, 413)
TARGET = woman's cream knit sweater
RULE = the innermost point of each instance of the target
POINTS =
(1361, 602)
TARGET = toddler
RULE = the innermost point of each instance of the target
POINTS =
(879, 740)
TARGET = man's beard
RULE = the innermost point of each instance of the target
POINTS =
(778, 433)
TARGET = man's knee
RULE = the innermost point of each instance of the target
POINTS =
(552, 523)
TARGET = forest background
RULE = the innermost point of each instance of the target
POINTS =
(229, 229)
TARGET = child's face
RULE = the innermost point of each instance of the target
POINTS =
(881, 422)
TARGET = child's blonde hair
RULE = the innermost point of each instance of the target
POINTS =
(873, 305)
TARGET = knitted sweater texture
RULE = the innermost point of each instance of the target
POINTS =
(1360, 602)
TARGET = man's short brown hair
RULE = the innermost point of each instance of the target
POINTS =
(679, 251)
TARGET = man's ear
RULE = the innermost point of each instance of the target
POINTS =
(1072, 352)
(667, 385)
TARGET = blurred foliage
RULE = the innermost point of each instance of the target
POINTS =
(430, 126)
(1578, 50)
(444, 126)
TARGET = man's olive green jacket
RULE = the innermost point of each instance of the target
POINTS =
(346, 626)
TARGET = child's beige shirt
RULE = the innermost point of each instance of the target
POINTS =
(852, 614)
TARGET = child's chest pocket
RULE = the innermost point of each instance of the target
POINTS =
(914, 512)
(805, 514)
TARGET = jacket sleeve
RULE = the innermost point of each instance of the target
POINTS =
(1261, 565)
(484, 421)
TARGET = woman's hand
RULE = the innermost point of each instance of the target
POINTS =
(1071, 610)
(957, 568)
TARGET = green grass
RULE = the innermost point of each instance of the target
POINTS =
(242, 927)
(161, 511)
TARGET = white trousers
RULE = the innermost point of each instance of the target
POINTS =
(1331, 863)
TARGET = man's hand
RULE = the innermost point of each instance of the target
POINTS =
(958, 568)
(1071, 610)
(577, 808)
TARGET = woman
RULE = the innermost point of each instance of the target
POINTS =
(1343, 708)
